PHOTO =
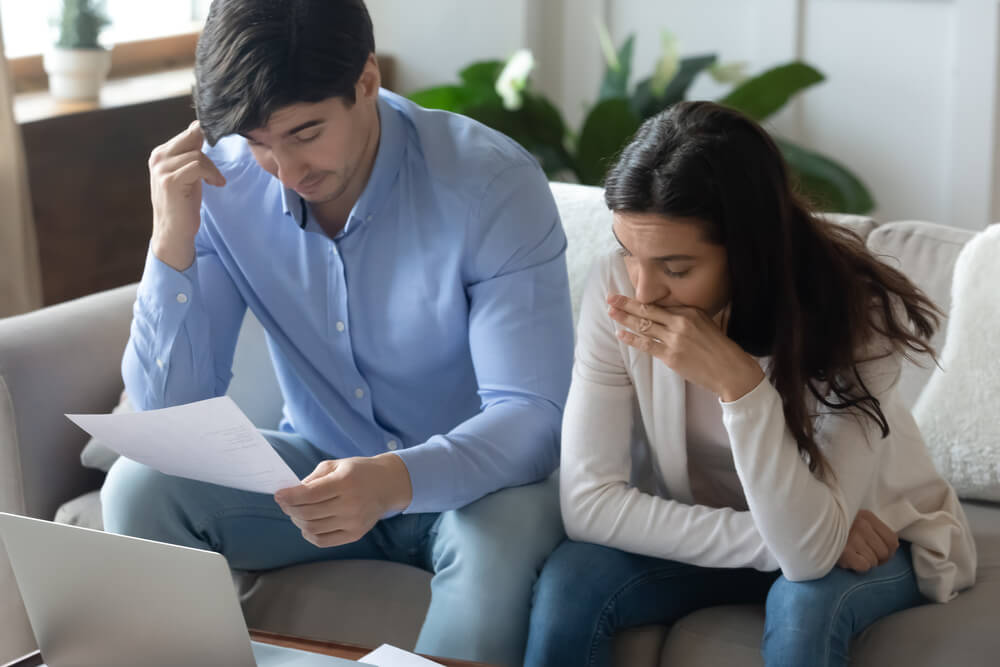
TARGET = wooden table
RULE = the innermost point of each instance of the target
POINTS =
(336, 649)
(340, 650)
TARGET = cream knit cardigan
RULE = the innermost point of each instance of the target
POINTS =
(796, 522)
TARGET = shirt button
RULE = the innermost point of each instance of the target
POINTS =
(392, 445)
(359, 392)
(340, 326)
(159, 362)
(182, 298)
(369, 218)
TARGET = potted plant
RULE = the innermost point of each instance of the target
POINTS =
(78, 64)
(499, 94)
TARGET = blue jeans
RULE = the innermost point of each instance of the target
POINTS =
(586, 593)
(485, 557)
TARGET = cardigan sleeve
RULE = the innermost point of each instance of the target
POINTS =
(804, 520)
(598, 502)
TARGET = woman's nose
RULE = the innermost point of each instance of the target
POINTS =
(648, 287)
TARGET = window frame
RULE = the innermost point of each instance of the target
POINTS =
(127, 59)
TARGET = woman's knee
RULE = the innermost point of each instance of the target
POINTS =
(807, 620)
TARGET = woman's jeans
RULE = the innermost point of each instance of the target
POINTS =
(586, 593)
(485, 556)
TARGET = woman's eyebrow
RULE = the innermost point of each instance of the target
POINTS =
(665, 258)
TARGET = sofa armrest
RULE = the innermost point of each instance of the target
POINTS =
(64, 358)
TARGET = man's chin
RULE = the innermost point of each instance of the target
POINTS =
(323, 197)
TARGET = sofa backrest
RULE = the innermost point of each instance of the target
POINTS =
(926, 252)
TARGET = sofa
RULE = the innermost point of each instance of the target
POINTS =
(66, 358)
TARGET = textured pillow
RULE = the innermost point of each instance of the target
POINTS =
(96, 454)
(959, 411)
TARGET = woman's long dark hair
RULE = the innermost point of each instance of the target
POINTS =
(805, 291)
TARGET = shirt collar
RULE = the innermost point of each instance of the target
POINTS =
(388, 160)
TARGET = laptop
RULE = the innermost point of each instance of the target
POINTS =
(98, 599)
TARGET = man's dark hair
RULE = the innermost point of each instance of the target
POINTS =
(257, 56)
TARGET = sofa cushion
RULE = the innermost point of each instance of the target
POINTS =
(95, 453)
(957, 410)
(926, 253)
(862, 225)
(83, 511)
(362, 602)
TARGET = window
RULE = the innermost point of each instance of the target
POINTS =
(28, 30)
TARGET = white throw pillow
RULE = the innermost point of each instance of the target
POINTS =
(959, 410)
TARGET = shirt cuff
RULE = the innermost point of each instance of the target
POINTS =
(164, 298)
(422, 462)
(163, 286)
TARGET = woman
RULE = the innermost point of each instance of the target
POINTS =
(757, 349)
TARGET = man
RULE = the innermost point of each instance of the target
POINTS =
(408, 267)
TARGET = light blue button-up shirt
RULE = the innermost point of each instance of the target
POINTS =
(436, 324)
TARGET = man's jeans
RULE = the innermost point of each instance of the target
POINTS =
(485, 557)
(588, 592)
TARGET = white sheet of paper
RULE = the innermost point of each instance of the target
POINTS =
(390, 656)
(210, 441)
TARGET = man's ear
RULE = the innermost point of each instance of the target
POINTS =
(370, 80)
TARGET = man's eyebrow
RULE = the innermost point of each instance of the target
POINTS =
(665, 258)
(303, 126)
(294, 130)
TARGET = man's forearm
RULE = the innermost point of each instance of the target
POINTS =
(510, 443)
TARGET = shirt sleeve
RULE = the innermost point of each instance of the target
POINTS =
(520, 338)
(804, 520)
(598, 502)
(184, 330)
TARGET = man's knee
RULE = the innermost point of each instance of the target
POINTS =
(135, 498)
(519, 523)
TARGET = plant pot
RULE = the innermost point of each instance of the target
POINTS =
(76, 74)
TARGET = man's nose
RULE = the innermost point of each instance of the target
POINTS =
(290, 172)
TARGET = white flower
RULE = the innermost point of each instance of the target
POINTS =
(607, 46)
(514, 78)
(668, 65)
(729, 72)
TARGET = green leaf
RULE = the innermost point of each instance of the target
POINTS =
(763, 95)
(608, 127)
(646, 104)
(449, 98)
(547, 124)
(691, 67)
(615, 83)
(483, 73)
(829, 185)
(477, 84)
(537, 126)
